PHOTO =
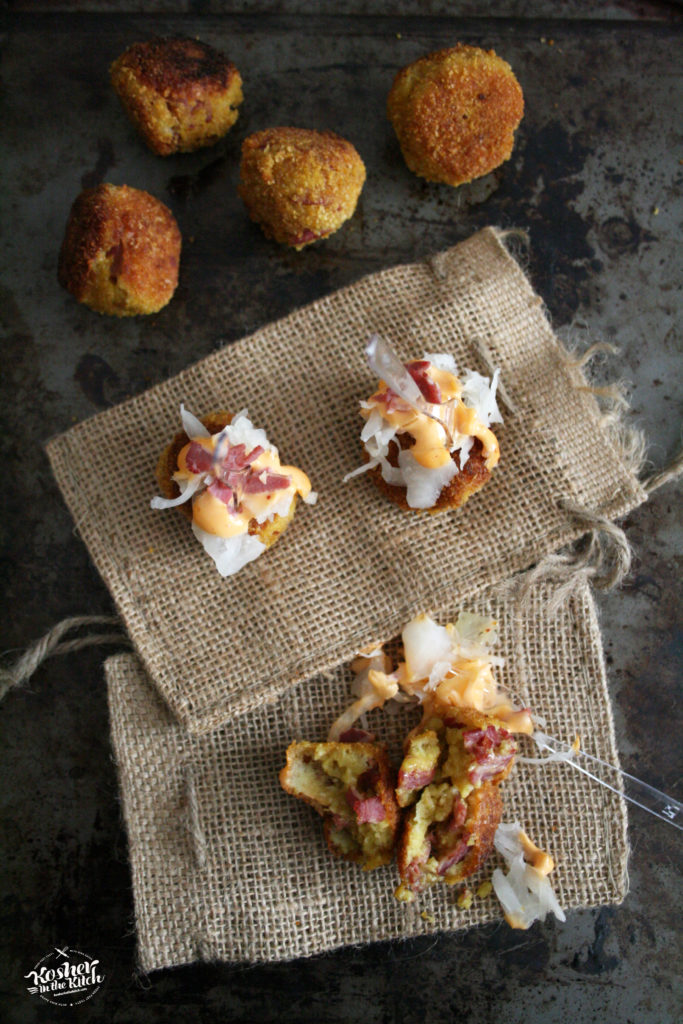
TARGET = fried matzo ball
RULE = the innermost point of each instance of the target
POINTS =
(351, 786)
(450, 775)
(300, 185)
(267, 532)
(121, 251)
(455, 112)
(179, 93)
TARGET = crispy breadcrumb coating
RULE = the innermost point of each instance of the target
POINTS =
(455, 113)
(121, 251)
(179, 93)
(299, 185)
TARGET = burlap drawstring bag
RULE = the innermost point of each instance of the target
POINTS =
(353, 568)
(226, 866)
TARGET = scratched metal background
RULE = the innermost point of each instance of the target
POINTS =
(595, 178)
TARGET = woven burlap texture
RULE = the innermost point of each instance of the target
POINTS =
(227, 866)
(354, 567)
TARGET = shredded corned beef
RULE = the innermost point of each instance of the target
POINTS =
(458, 853)
(483, 745)
(233, 472)
(198, 459)
(431, 391)
(414, 869)
(488, 769)
(357, 736)
(416, 779)
(459, 815)
(480, 742)
(265, 481)
(367, 810)
(221, 491)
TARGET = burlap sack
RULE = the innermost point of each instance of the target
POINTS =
(354, 567)
(227, 866)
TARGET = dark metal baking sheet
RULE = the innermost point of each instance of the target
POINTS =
(595, 179)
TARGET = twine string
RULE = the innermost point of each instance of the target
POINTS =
(603, 560)
(192, 817)
(52, 643)
(670, 472)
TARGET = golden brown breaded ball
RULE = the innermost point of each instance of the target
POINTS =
(300, 185)
(267, 532)
(179, 93)
(121, 251)
(455, 113)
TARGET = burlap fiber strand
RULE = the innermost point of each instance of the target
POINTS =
(227, 866)
(353, 568)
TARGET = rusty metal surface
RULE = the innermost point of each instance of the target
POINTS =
(655, 10)
(595, 179)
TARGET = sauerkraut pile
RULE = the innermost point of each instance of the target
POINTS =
(441, 426)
